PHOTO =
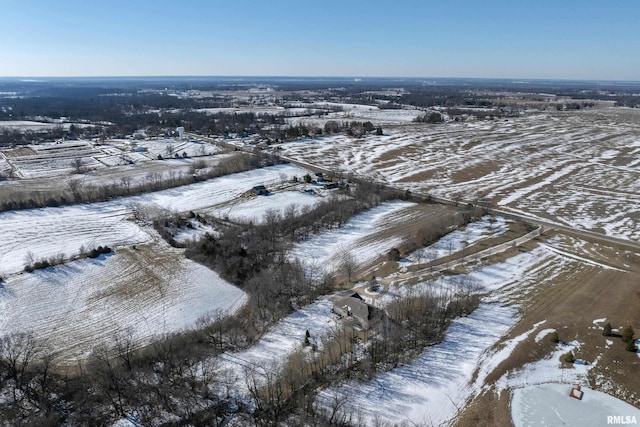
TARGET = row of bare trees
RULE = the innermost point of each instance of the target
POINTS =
(80, 191)
(287, 393)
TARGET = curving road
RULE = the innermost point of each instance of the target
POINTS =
(538, 222)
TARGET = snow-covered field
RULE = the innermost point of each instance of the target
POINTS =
(580, 169)
(254, 210)
(139, 293)
(170, 147)
(58, 159)
(52, 159)
(208, 194)
(48, 232)
(361, 113)
(318, 113)
(326, 251)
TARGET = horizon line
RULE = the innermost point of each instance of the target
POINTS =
(356, 78)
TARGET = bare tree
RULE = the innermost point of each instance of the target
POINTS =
(348, 263)
(77, 164)
(125, 181)
(290, 219)
(76, 186)
(336, 410)
(125, 348)
(18, 351)
(283, 178)
(269, 394)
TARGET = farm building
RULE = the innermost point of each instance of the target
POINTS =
(331, 186)
(260, 190)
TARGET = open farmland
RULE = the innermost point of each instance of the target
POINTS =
(66, 157)
(351, 112)
(144, 289)
(381, 306)
(367, 238)
(47, 232)
(52, 159)
(580, 169)
(175, 147)
(140, 294)
(254, 210)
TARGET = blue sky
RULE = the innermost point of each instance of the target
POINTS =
(561, 39)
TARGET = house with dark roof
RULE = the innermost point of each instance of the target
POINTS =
(353, 307)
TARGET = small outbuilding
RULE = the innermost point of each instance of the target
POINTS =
(331, 186)
(576, 393)
(260, 190)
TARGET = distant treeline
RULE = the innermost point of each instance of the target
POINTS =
(128, 108)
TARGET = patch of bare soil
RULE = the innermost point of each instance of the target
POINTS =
(418, 177)
(19, 152)
(474, 172)
(148, 267)
(391, 155)
(570, 305)
(484, 411)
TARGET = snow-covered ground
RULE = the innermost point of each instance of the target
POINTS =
(272, 350)
(51, 159)
(432, 389)
(318, 113)
(580, 169)
(31, 235)
(254, 210)
(429, 390)
(551, 405)
(47, 232)
(457, 240)
(361, 113)
(195, 232)
(208, 194)
(326, 251)
(138, 293)
(171, 146)
(58, 158)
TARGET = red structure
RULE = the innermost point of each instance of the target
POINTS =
(576, 393)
